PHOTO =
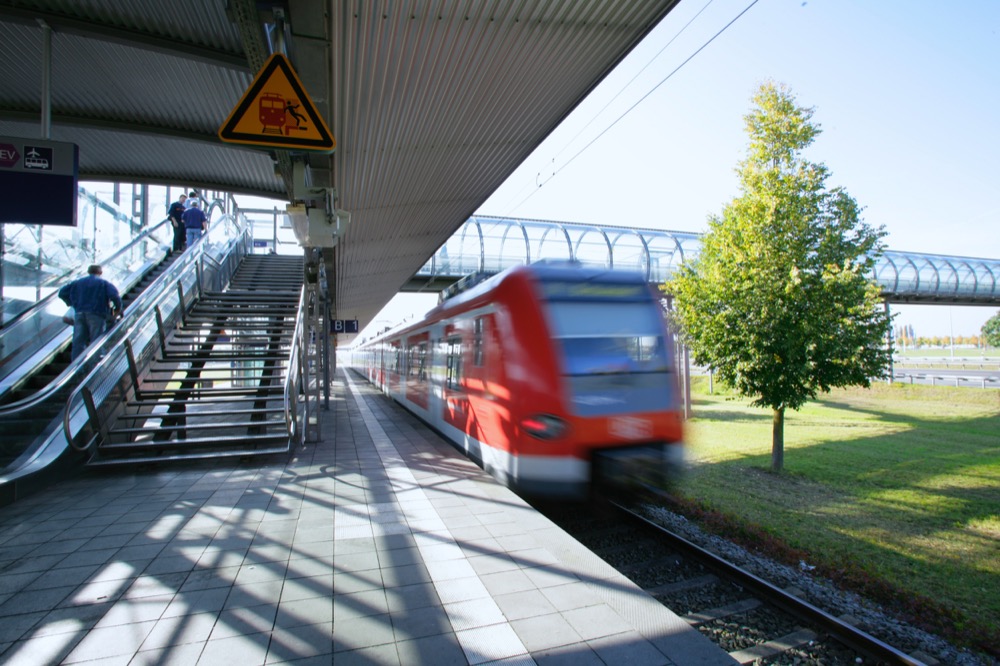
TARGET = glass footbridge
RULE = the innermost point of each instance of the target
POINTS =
(492, 244)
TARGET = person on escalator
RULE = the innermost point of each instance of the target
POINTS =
(195, 222)
(176, 213)
(95, 301)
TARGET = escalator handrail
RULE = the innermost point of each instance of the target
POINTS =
(67, 374)
(38, 310)
(143, 236)
(80, 272)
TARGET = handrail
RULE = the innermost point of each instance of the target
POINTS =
(292, 386)
(109, 340)
(56, 342)
(104, 366)
(45, 300)
(163, 291)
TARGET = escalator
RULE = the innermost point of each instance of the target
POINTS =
(32, 380)
(36, 372)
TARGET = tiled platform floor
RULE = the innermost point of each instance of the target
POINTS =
(377, 545)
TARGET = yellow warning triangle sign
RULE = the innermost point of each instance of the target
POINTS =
(276, 111)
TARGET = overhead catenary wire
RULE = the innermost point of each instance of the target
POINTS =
(637, 102)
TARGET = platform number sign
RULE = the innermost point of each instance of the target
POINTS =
(345, 326)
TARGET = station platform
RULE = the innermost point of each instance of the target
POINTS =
(379, 544)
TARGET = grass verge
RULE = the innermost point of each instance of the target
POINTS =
(894, 491)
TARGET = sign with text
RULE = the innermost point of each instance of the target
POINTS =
(38, 181)
(345, 326)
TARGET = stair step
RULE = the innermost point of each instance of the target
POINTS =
(192, 443)
(194, 455)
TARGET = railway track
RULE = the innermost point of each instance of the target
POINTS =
(755, 621)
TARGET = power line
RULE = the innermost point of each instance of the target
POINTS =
(639, 101)
(637, 74)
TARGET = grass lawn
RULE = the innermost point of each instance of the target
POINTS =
(896, 484)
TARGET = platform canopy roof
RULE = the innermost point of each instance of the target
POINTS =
(432, 104)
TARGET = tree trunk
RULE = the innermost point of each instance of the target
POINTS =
(778, 440)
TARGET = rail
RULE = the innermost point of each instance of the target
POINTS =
(981, 362)
(294, 417)
(845, 632)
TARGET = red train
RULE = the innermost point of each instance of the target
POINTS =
(538, 373)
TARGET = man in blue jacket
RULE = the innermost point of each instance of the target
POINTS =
(195, 222)
(95, 301)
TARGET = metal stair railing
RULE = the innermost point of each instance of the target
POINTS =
(176, 410)
(296, 415)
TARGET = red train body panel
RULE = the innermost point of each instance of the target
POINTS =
(534, 370)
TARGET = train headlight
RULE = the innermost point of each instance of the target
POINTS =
(544, 426)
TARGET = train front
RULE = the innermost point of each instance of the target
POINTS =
(620, 411)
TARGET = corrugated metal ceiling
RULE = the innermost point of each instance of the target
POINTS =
(432, 103)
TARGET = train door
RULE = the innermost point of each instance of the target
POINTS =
(456, 399)
(417, 370)
(375, 367)
(394, 359)
(481, 386)
(436, 365)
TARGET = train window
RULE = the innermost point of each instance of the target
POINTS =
(454, 358)
(417, 364)
(614, 356)
(609, 338)
(478, 346)
(422, 361)
(395, 359)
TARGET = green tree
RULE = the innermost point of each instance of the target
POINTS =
(991, 331)
(780, 301)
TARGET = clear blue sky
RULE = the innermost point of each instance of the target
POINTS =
(907, 95)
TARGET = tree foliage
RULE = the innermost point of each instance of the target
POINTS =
(991, 330)
(780, 301)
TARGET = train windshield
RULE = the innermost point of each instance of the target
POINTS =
(609, 338)
(614, 355)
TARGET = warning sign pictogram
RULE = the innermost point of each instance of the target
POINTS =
(276, 111)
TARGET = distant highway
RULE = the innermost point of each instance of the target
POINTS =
(947, 376)
(989, 377)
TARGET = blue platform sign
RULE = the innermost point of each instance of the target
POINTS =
(345, 325)
(38, 181)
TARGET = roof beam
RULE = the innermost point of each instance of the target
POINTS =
(115, 125)
(130, 38)
(154, 179)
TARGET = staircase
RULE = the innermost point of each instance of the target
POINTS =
(215, 388)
